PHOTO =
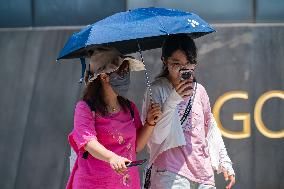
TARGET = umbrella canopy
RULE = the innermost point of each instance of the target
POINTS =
(147, 27)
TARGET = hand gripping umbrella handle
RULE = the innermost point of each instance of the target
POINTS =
(146, 77)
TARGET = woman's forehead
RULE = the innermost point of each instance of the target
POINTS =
(179, 55)
(179, 60)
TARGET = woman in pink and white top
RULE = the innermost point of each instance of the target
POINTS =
(107, 128)
(186, 144)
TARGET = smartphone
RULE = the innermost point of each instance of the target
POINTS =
(185, 75)
(135, 163)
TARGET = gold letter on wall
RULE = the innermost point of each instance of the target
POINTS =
(245, 133)
(257, 114)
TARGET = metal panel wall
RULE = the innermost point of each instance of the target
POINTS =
(213, 11)
(15, 13)
(21, 13)
(223, 11)
(37, 102)
(74, 12)
(38, 97)
(267, 11)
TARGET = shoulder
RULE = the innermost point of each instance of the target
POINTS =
(202, 93)
(82, 114)
(160, 86)
(82, 106)
(201, 88)
(160, 82)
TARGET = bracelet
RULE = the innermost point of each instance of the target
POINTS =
(146, 121)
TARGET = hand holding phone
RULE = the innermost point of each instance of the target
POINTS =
(185, 75)
(184, 88)
(135, 163)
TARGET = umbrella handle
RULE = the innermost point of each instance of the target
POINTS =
(147, 77)
(83, 64)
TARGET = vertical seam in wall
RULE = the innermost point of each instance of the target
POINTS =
(67, 151)
(254, 7)
(28, 118)
(125, 5)
(33, 12)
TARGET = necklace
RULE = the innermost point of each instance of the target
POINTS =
(113, 108)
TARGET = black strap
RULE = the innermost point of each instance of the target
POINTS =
(186, 112)
(147, 182)
(85, 155)
(188, 107)
(130, 108)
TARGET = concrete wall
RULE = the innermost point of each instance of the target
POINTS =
(38, 95)
(35, 13)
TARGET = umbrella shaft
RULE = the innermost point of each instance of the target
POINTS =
(146, 73)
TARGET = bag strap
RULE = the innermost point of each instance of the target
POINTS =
(189, 106)
(130, 109)
(147, 181)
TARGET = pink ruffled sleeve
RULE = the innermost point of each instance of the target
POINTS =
(84, 127)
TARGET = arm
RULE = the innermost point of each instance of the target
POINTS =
(216, 145)
(162, 128)
(84, 137)
(218, 154)
(215, 135)
(170, 121)
(173, 96)
(217, 150)
(144, 133)
(98, 151)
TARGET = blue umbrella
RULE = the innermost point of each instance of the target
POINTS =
(131, 31)
(147, 27)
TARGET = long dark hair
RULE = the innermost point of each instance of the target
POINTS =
(93, 96)
(178, 42)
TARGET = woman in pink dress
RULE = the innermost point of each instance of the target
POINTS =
(107, 128)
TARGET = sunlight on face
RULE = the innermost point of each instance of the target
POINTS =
(177, 62)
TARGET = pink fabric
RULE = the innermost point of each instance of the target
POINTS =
(118, 134)
(192, 160)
